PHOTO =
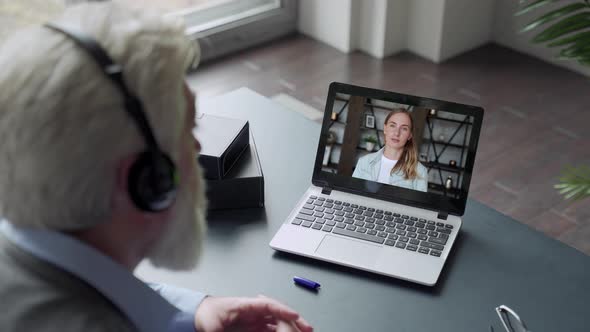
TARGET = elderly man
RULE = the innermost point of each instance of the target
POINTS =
(97, 172)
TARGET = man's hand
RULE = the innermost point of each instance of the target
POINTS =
(228, 314)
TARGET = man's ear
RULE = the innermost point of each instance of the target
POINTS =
(120, 190)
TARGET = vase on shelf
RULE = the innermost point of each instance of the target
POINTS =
(369, 146)
(449, 182)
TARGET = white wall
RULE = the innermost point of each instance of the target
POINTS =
(467, 24)
(506, 27)
(328, 21)
(425, 18)
(371, 26)
(396, 28)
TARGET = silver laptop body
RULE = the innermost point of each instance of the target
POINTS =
(397, 232)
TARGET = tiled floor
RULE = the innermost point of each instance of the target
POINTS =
(536, 121)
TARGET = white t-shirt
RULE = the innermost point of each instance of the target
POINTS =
(385, 170)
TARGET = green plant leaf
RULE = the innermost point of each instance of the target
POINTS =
(532, 6)
(575, 183)
(567, 25)
(574, 52)
(578, 37)
(555, 14)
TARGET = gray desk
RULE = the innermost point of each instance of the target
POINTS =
(495, 260)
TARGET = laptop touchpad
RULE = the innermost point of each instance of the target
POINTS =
(348, 251)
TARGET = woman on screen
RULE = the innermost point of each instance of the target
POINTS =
(397, 162)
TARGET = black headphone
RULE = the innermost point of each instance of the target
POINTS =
(153, 179)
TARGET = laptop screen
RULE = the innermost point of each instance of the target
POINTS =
(408, 149)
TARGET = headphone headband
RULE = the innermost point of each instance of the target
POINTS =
(152, 180)
(114, 72)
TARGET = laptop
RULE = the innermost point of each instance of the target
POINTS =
(389, 185)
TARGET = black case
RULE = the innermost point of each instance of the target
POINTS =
(223, 140)
(242, 187)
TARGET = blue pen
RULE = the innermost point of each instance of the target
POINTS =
(310, 284)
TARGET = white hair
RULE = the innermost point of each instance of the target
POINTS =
(63, 127)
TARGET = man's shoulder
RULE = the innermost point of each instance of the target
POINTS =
(46, 298)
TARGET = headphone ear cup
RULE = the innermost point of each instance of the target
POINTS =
(152, 188)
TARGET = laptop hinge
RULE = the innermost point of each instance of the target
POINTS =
(442, 215)
(326, 190)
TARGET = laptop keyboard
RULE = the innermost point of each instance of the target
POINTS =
(365, 223)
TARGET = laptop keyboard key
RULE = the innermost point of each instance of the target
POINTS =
(348, 221)
(380, 228)
(423, 250)
(420, 225)
(340, 225)
(329, 205)
(319, 209)
(351, 227)
(316, 226)
(422, 237)
(411, 247)
(412, 235)
(410, 229)
(400, 226)
(369, 226)
(372, 232)
(327, 228)
(361, 236)
(305, 217)
(421, 231)
(321, 199)
(397, 215)
(388, 218)
(338, 218)
(437, 240)
(296, 221)
(432, 245)
(348, 209)
(389, 242)
(433, 234)
(378, 216)
(320, 221)
(306, 211)
(393, 236)
(339, 213)
(308, 206)
(382, 234)
(359, 223)
(349, 215)
(368, 214)
(435, 253)
(361, 230)
(404, 239)
(387, 213)
(328, 216)
(400, 232)
(345, 204)
(400, 245)
(443, 230)
(409, 223)
(414, 241)
(338, 207)
(318, 215)
(330, 200)
(380, 222)
(449, 226)
(306, 224)
(330, 222)
(371, 220)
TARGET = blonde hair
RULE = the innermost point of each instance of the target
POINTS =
(63, 126)
(408, 161)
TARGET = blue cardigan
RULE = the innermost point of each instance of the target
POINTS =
(368, 166)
